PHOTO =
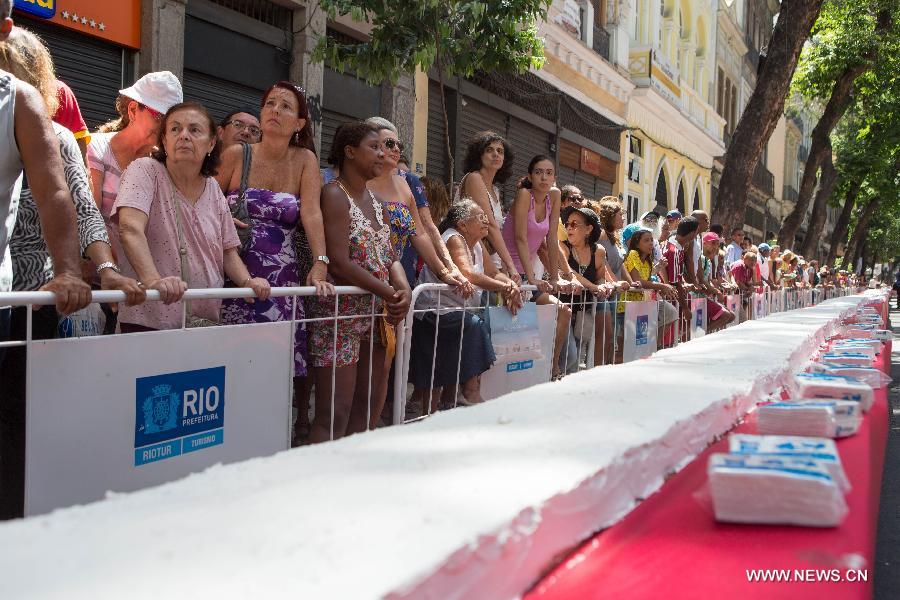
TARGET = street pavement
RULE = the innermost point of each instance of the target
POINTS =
(887, 551)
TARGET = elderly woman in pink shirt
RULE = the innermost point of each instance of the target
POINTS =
(168, 202)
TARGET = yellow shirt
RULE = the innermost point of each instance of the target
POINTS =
(643, 267)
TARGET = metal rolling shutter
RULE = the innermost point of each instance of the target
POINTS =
(527, 142)
(602, 188)
(587, 183)
(436, 159)
(94, 69)
(220, 97)
(225, 69)
(330, 122)
(476, 117)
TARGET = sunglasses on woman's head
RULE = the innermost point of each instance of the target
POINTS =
(392, 144)
(153, 113)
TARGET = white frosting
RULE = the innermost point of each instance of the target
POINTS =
(471, 503)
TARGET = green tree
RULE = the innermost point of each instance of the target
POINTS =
(764, 109)
(845, 43)
(456, 37)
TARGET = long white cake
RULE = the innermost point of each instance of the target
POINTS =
(472, 503)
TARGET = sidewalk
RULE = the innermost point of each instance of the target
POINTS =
(887, 551)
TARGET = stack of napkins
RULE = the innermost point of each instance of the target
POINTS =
(822, 417)
(856, 358)
(862, 331)
(749, 488)
(870, 348)
(874, 378)
(823, 450)
(824, 385)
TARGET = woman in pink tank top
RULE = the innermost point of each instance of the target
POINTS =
(531, 222)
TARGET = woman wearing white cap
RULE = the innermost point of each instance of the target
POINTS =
(132, 135)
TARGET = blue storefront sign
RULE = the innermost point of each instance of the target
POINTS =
(45, 9)
(178, 413)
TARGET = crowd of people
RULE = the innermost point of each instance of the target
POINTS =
(164, 198)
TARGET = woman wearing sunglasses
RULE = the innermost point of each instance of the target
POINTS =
(404, 199)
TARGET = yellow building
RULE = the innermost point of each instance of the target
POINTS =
(673, 133)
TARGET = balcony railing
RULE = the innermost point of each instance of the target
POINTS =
(789, 193)
(601, 42)
(764, 180)
(753, 56)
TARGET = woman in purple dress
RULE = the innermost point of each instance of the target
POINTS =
(282, 196)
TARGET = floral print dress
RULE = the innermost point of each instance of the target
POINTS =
(271, 254)
(372, 250)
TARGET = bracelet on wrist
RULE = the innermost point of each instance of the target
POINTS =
(246, 281)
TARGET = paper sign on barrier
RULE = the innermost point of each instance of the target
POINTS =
(125, 412)
(516, 371)
(733, 304)
(760, 306)
(641, 324)
(698, 317)
(776, 301)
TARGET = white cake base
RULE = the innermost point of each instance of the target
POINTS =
(472, 503)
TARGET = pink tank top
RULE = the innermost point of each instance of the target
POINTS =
(536, 233)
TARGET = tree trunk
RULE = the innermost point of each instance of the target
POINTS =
(820, 146)
(840, 228)
(862, 225)
(820, 208)
(795, 20)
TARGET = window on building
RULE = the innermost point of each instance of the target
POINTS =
(635, 159)
(633, 206)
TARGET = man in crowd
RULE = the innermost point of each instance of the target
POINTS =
(679, 266)
(241, 125)
(733, 251)
(763, 261)
(743, 274)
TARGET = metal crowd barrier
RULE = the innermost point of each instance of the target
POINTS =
(594, 339)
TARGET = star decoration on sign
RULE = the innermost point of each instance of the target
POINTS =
(74, 17)
(93, 24)
(65, 14)
(102, 26)
(84, 20)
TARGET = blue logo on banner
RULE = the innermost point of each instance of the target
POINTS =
(177, 413)
(642, 330)
(699, 322)
(519, 366)
(44, 9)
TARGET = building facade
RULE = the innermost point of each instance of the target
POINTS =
(674, 131)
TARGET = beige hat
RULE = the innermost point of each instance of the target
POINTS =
(160, 91)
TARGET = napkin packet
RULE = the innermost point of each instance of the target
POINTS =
(749, 488)
(825, 385)
(871, 376)
(815, 448)
(821, 417)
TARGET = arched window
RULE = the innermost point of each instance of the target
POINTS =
(680, 200)
(662, 190)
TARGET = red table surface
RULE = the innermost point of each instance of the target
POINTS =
(671, 546)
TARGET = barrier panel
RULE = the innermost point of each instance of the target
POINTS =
(641, 329)
(129, 411)
(124, 412)
(698, 317)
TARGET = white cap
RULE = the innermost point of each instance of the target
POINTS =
(160, 91)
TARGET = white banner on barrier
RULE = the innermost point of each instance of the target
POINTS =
(760, 306)
(776, 301)
(125, 412)
(698, 317)
(519, 370)
(641, 324)
(733, 303)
